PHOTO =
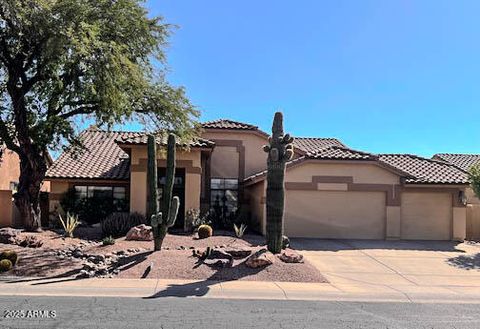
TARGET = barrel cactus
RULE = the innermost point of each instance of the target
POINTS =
(5, 265)
(280, 150)
(10, 255)
(161, 219)
(204, 231)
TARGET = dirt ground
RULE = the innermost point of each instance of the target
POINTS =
(175, 261)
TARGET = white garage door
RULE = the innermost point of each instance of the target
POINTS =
(426, 216)
(336, 215)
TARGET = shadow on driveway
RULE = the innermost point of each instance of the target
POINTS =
(466, 262)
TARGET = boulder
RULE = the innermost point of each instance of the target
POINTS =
(261, 258)
(140, 232)
(238, 253)
(8, 235)
(291, 256)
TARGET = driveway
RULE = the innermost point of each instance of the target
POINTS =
(408, 267)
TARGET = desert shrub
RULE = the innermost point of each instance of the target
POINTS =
(5, 265)
(108, 241)
(69, 224)
(239, 230)
(205, 231)
(90, 210)
(10, 255)
(119, 223)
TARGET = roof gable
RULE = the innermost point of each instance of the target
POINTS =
(228, 124)
(462, 161)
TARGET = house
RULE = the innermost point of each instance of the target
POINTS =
(9, 176)
(332, 191)
(464, 162)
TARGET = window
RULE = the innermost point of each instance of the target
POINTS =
(118, 194)
(224, 196)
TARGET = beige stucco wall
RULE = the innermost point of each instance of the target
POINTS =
(426, 216)
(224, 162)
(473, 216)
(256, 196)
(6, 208)
(138, 186)
(255, 158)
(9, 169)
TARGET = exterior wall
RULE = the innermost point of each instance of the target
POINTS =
(426, 216)
(248, 147)
(256, 196)
(6, 208)
(191, 161)
(9, 169)
(473, 216)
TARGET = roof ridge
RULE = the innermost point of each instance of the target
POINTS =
(229, 120)
(442, 162)
(345, 148)
(302, 137)
(474, 154)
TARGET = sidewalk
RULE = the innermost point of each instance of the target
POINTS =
(154, 288)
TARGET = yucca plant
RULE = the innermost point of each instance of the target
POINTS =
(70, 224)
(239, 230)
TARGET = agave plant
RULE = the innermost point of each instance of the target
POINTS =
(70, 224)
(239, 230)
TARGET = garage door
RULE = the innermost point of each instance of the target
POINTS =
(426, 216)
(336, 215)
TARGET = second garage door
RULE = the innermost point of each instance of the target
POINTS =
(335, 214)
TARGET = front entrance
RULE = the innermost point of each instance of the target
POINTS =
(178, 190)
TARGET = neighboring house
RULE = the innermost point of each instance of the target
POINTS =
(9, 175)
(464, 162)
(331, 191)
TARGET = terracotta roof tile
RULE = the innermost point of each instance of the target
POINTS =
(340, 153)
(425, 171)
(228, 124)
(103, 158)
(138, 138)
(462, 161)
(313, 144)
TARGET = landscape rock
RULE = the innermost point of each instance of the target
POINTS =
(291, 256)
(8, 235)
(239, 253)
(140, 232)
(219, 258)
(30, 241)
(261, 258)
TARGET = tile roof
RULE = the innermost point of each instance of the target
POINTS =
(340, 153)
(313, 144)
(101, 159)
(462, 161)
(228, 124)
(425, 171)
(139, 138)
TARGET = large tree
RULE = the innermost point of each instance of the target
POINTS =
(65, 60)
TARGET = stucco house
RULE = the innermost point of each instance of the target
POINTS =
(464, 162)
(332, 191)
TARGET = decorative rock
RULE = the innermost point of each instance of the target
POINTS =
(219, 258)
(30, 241)
(140, 232)
(8, 235)
(239, 253)
(261, 258)
(291, 256)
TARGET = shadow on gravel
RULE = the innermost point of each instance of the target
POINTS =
(465, 262)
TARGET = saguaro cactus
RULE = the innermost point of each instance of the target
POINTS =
(280, 150)
(162, 220)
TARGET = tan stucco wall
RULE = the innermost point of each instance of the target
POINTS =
(426, 216)
(224, 162)
(138, 186)
(9, 169)
(335, 214)
(473, 215)
(256, 196)
(255, 158)
(361, 173)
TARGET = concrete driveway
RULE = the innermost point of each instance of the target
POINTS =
(408, 267)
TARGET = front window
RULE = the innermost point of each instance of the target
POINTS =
(118, 194)
(224, 196)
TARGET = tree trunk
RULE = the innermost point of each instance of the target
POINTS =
(27, 199)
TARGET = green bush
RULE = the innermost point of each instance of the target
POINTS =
(10, 255)
(205, 231)
(108, 241)
(5, 265)
(119, 223)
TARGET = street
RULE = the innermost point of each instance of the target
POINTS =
(106, 312)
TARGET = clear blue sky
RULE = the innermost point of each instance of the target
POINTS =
(382, 76)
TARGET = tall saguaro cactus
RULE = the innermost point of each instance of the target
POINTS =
(280, 150)
(162, 220)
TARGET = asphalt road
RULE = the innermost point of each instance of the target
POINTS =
(91, 312)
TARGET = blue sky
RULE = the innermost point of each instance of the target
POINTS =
(382, 76)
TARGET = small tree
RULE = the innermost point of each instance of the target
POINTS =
(474, 178)
(62, 61)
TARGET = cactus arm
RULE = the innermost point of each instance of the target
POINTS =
(172, 216)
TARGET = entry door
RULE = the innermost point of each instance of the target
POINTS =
(178, 190)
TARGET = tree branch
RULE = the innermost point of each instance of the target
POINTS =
(81, 110)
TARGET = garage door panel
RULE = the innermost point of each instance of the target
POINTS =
(426, 216)
(335, 214)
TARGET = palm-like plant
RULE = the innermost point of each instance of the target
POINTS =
(70, 224)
